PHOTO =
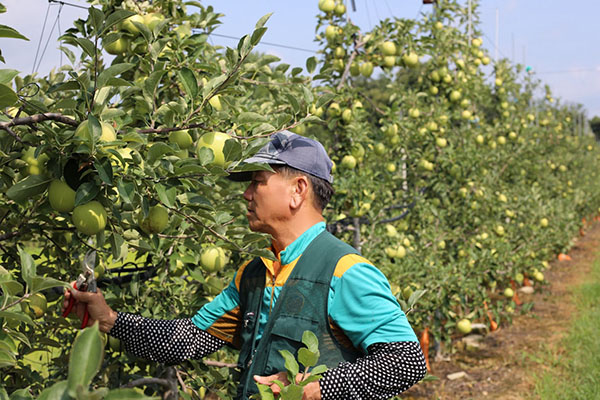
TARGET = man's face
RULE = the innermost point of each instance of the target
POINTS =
(268, 196)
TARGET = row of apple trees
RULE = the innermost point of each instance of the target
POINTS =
(451, 176)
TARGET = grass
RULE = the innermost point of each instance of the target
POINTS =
(574, 373)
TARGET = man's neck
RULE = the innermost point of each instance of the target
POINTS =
(292, 231)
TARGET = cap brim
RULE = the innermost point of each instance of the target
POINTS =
(250, 165)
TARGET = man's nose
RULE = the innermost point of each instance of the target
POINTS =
(248, 193)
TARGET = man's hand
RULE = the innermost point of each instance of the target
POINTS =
(96, 305)
(312, 391)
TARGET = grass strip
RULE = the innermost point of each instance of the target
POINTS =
(575, 372)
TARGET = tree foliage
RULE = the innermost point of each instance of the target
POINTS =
(450, 176)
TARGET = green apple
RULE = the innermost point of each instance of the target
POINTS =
(388, 48)
(349, 161)
(339, 52)
(379, 149)
(108, 132)
(153, 19)
(35, 166)
(334, 109)
(509, 293)
(390, 167)
(331, 32)
(90, 218)
(117, 47)
(340, 9)
(477, 42)
(441, 142)
(455, 95)
(347, 115)
(390, 230)
(354, 69)
(215, 141)
(130, 27)
(366, 69)
(157, 219)
(37, 305)
(326, 6)
(61, 196)
(389, 61)
(464, 326)
(213, 259)
(410, 59)
(182, 138)
(215, 102)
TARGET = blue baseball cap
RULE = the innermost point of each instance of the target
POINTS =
(287, 148)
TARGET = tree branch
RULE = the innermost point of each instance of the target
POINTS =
(167, 130)
(357, 45)
(219, 364)
(147, 381)
(34, 119)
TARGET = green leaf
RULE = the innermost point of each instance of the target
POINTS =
(86, 193)
(94, 127)
(151, 83)
(112, 72)
(7, 75)
(28, 267)
(40, 283)
(7, 359)
(28, 188)
(126, 191)
(59, 87)
(310, 341)
(292, 392)
(307, 357)
(188, 81)
(232, 150)
(85, 360)
(58, 391)
(293, 102)
(205, 155)
(126, 394)
(7, 96)
(8, 32)
(20, 316)
(86, 45)
(165, 195)
(262, 21)
(291, 365)
(257, 35)
(250, 117)
(213, 83)
(158, 150)
(114, 18)
(97, 18)
(13, 288)
(311, 64)
(319, 369)
(3, 394)
(264, 392)
(104, 169)
(324, 99)
(308, 96)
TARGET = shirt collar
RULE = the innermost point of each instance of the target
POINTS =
(297, 247)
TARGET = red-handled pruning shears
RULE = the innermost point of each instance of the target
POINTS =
(86, 282)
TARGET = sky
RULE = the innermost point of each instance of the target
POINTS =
(559, 39)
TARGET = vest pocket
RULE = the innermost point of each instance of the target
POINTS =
(287, 335)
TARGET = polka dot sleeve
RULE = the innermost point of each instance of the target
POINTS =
(165, 341)
(387, 370)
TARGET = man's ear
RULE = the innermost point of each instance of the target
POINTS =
(300, 191)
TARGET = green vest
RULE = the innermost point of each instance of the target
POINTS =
(301, 306)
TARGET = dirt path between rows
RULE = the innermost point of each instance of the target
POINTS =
(504, 368)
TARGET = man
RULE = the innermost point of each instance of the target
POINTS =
(317, 283)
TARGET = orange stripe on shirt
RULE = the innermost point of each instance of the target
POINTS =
(346, 262)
